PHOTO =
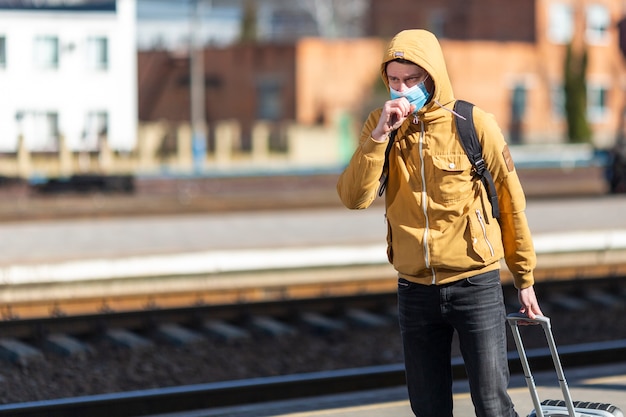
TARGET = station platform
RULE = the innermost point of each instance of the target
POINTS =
(604, 384)
(131, 247)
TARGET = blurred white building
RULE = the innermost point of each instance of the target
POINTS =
(68, 69)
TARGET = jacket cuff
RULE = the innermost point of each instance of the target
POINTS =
(372, 147)
(524, 281)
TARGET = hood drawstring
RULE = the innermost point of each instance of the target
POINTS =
(416, 120)
(451, 111)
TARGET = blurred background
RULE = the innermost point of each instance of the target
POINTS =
(168, 172)
(106, 92)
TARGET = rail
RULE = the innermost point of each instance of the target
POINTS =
(220, 394)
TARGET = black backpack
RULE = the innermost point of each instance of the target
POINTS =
(472, 147)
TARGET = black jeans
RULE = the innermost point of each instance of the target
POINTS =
(428, 316)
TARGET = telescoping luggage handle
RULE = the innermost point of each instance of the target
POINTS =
(514, 319)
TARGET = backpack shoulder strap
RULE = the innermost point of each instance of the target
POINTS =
(474, 151)
(385, 174)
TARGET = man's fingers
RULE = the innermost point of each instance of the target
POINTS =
(396, 118)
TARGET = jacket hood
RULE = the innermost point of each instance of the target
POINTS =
(422, 48)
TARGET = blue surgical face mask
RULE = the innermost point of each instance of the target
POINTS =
(417, 95)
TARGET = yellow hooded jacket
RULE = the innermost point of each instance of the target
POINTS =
(439, 224)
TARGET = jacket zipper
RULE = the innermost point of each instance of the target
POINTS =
(425, 203)
(482, 226)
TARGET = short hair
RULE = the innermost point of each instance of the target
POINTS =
(402, 61)
(399, 61)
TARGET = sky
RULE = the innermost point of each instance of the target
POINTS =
(167, 22)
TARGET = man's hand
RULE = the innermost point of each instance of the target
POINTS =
(528, 300)
(393, 115)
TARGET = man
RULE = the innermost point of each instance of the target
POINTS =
(442, 238)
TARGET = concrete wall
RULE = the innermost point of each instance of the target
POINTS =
(165, 149)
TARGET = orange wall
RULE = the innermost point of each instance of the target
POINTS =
(334, 75)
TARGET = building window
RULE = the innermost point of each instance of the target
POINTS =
(40, 130)
(96, 127)
(47, 52)
(269, 100)
(3, 51)
(436, 22)
(518, 110)
(560, 23)
(598, 22)
(597, 102)
(97, 53)
(557, 95)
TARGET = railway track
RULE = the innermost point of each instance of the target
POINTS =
(577, 291)
(222, 394)
(249, 391)
(570, 303)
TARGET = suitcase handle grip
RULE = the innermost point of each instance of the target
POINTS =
(521, 317)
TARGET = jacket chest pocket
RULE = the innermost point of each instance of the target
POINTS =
(450, 179)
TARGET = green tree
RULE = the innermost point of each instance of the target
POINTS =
(575, 88)
(248, 22)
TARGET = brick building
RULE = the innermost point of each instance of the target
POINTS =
(509, 57)
(504, 56)
(307, 82)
